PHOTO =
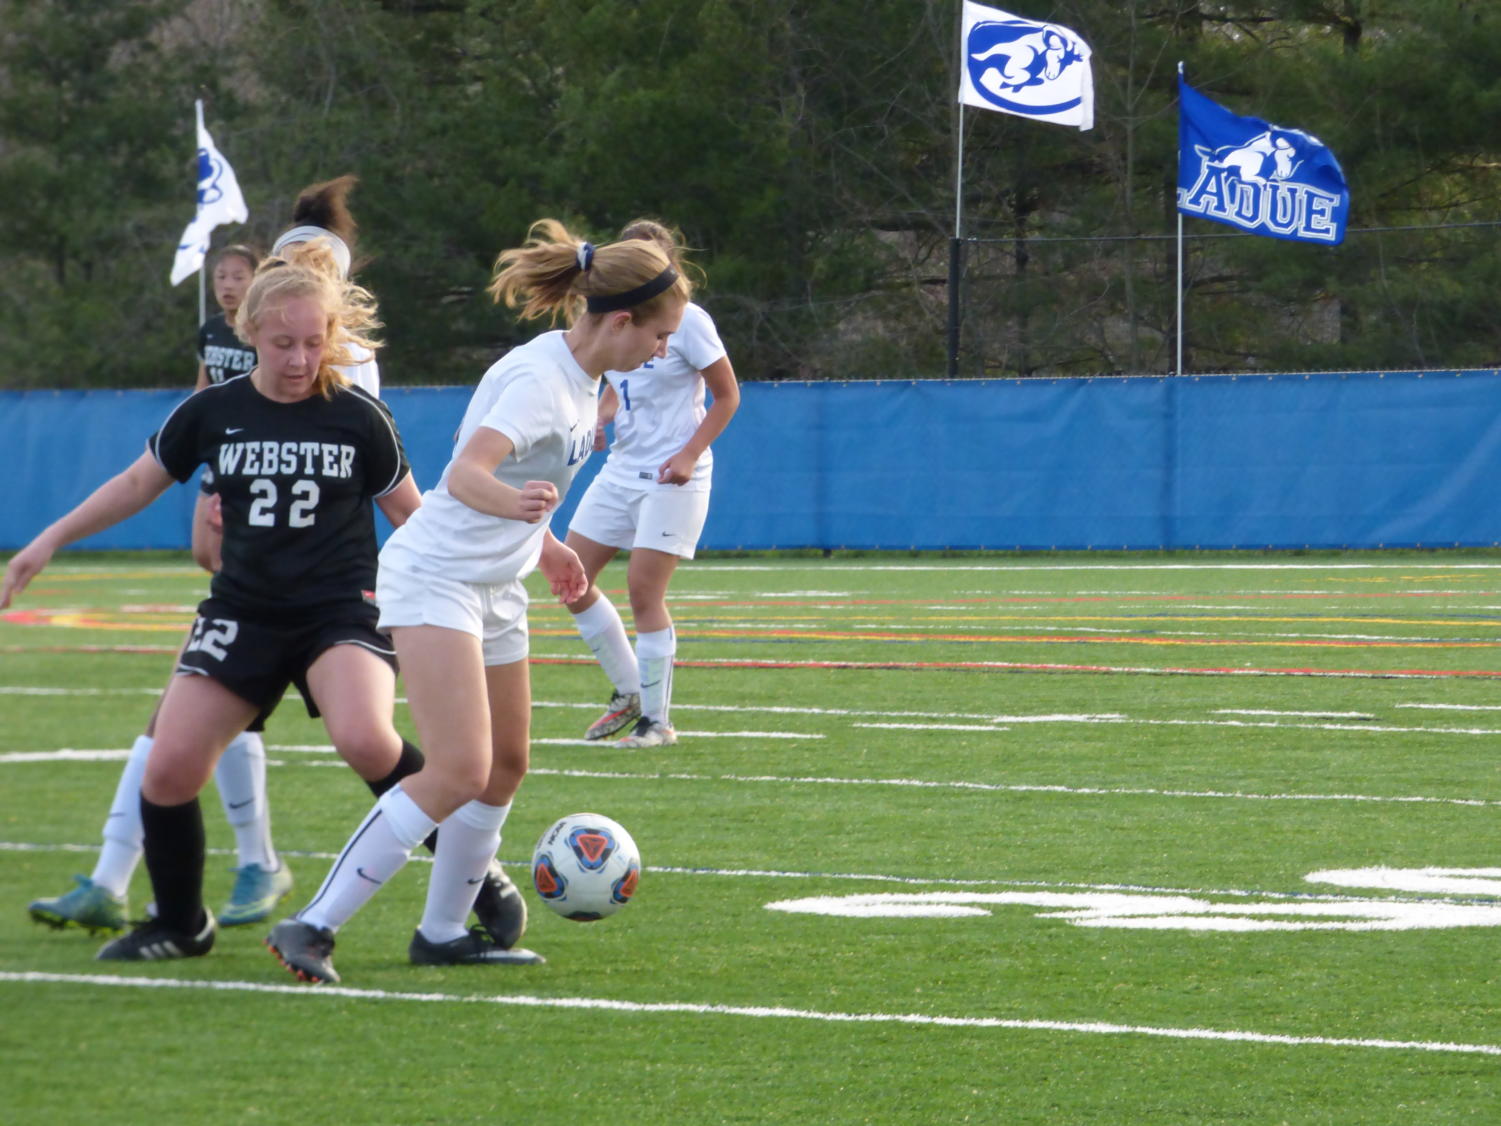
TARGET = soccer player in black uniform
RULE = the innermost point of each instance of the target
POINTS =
(222, 354)
(299, 457)
(98, 901)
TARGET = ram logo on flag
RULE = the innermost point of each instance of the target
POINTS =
(211, 170)
(1282, 183)
(1020, 66)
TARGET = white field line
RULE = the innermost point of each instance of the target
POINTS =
(1011, 788)
(1455, 707)
(1296, 715)
(758, 1012)
(805, 780)
(764, 709)
(959, 629)
(1396, 893)
(934, 726)
(25, 690)
(1052, 596)
(65, 754)
(1365, 727)
(602, 743)
(704, 566)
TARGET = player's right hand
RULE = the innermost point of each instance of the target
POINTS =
(538, 498)
(24, 566)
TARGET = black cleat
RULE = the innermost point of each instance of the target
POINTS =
(476, 948)
(305, 950)
(152, 940)
(500, 908)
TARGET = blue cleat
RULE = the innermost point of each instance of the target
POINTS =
(256, 894)
(88, 906)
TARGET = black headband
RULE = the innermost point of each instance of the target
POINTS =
(610, 302)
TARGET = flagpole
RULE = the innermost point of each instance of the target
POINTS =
(1178, 352)
(1178, 365)
(956, 251)
(202, 300)
(956, 247)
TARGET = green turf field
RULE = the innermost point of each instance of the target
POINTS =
(1129, 839)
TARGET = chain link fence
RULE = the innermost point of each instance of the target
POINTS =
(1388, 298)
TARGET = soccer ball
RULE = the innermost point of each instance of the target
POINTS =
(586, 867)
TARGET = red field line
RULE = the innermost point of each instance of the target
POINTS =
(1020, 666)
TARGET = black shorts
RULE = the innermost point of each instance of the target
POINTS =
(256, 660)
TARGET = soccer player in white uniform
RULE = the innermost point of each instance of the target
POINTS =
(450, 589)
(651, 499)
(300, 456)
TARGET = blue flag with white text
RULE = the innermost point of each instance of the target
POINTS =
(1282, 183)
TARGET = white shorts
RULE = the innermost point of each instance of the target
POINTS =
(669, 520)
(493, 612)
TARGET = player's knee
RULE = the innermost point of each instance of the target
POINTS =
(511, 760)
(648, 606)
(371, 751)
(173, 776)
(457, 781)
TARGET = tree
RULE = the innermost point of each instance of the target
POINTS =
(806, 149)
(97, 183)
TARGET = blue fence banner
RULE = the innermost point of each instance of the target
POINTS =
(1327, 460)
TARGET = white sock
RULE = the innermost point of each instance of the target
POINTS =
(467, 841)
(654, 652)
(121, 851)
(603, 631)
(379, 848)
(241, 778)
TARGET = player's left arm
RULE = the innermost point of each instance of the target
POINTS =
(401, 502)
(719, 377)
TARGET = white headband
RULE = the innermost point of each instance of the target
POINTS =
(308, 234)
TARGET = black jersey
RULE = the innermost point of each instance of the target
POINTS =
(296, 481)
(222, 354)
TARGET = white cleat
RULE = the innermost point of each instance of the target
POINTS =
(648, 733)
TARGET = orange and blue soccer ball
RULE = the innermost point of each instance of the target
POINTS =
(586, 867)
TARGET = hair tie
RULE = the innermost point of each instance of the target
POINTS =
(585, 256)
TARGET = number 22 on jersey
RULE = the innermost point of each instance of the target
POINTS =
(263, 509)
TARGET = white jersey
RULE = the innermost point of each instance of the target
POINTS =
(362, 370)
(661, 405)
(539, 398)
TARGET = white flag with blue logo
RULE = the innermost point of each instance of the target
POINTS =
(1021, 66)
(1282, 183)
(219, 202)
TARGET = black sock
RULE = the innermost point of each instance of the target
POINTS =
(174, 859)
(409, 763)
